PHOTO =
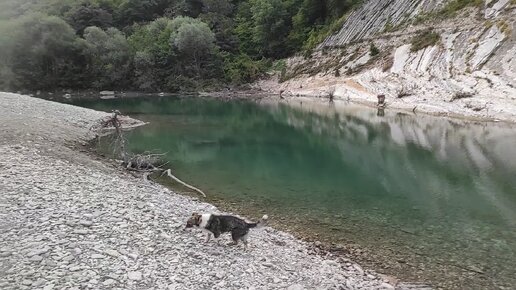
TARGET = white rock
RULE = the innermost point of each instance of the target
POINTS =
(296, 287)
(112, 253)
(108, 282)
(135, 275)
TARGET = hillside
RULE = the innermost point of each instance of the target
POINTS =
(154, 45)
(450, 58)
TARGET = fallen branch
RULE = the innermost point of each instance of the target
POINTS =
(169, 174)
(145, 163)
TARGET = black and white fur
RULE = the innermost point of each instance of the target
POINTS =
(218, 224)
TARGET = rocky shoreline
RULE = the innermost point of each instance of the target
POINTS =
(71, 221)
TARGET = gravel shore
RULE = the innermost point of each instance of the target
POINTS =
(70, 221)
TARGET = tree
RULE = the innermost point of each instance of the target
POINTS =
(129, 12)
(271, 24)
(194, 39)
(217, 14)
(154, 57)
(42, 52)
(111, 57)
(85, 15)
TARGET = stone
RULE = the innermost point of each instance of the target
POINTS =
(49, 287)
(135, 275)
(39, 282)
(26, 282)
(108, 282)
(97, 256)
(164, 236)
(296, 287)
(86, 223)
(38, 251)
(112, 253)
(36, 259)
(81, 232)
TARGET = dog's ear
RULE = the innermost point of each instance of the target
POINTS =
(195, 214)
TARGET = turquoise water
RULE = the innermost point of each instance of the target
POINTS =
(424, 198)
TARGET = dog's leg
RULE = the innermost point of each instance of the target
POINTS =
(244, 241)
(237, 234)
(208, 236)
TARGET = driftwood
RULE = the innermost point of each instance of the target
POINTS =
(169, 174)
(145, 163)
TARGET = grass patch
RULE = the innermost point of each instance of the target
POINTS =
(449, 10)
(455, 6)
(504, 27)
(424, 39)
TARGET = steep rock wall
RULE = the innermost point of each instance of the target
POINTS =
(470, 71)
(374, 15)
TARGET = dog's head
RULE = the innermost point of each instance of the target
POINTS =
(194, 220)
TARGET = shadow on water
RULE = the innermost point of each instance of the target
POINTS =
(423, 197)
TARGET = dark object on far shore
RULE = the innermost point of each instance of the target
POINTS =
(381, 101)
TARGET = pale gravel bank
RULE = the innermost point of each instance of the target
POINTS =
(69, 221)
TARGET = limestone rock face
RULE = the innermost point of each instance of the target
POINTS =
(375, 15)
(473, 59)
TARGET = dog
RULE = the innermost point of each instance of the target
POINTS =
(219, 224)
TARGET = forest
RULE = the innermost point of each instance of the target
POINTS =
(156, 45)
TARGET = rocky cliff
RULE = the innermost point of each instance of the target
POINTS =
(424, 55)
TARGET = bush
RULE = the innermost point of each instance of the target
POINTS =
(373, 50)
(456, 5)
(41, 52)
(424, 39)
(241, 69)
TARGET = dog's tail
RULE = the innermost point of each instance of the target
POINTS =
(260, 223)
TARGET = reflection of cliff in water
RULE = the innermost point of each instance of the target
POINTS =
(447, 150)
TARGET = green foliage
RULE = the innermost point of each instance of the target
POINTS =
(87, 14)
(373, 50)
(449, 10)
(41, 52)
(271, 23)
(194, 38)
(318, 34)
(156, 44)
(242, 69)
(111, 57)
(424, 39)
(456, 5)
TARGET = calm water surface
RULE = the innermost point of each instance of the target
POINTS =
(425, 198)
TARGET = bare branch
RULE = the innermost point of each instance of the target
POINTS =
(169, 174)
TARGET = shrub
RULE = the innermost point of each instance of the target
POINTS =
(373, 50)
(424, 39)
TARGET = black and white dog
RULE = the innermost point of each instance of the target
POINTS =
(218, 224)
